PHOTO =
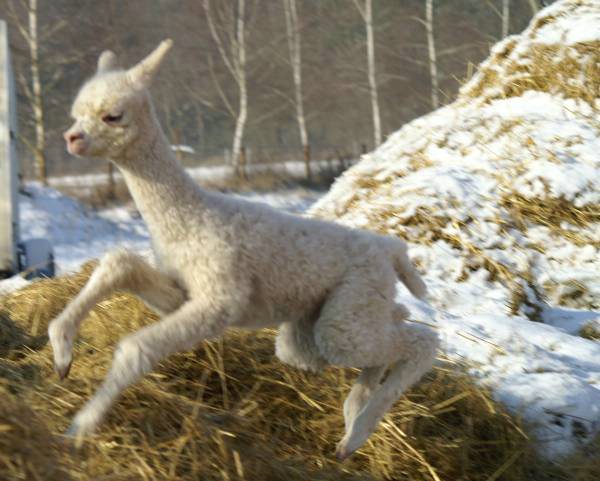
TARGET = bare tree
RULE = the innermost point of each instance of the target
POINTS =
(294, 44)
(435, 101)
(201, 98)
(33, 92)
(505, 17)
(535, 8)
(366, 11)
(234, 58)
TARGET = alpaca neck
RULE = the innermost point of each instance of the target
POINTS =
(162, 190)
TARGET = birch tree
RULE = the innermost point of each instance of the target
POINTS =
(232, 49)
(294, 45)
(435, 100)
(535, 8)
(366, 12)
(33, 89)
(505, 17)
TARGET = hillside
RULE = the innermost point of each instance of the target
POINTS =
(498, 194)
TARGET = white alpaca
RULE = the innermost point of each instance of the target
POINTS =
(223, 262)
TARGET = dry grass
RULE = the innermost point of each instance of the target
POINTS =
(554, 213)
(571, 71)
(27, 448)
(266, 180)
(527, 62)
(230, 410)
(590, 331)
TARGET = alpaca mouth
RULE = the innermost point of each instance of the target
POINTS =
(77, 147)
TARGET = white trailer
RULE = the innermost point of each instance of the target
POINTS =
(9, 181)
(34, 256)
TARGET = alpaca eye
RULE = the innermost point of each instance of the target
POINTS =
(111, 119)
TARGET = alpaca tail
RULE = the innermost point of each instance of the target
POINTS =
(407, 273)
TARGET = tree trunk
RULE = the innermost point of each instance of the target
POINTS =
(238, 135)
(371, 66)
(240, 67)
(535, 8)
(435, 101)
(306, 156)
(234, 58)
(38, 107)
(505, 17)
(293, 36)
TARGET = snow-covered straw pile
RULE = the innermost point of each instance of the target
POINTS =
(498, 194)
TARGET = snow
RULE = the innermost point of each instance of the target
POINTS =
(448, 182)
(183, 148)
(12, 284)
(544, 176)
(78, 233)
(545, 373)
(576, 27)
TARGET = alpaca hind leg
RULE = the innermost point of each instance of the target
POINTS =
(139, 352)
(365, 384)
(118, 270)
(417, 347)
(369, 379)
(358, 326)
(295, 345)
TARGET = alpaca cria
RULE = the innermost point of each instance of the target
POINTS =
(224, 262)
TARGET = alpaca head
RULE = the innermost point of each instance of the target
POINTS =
(113, 109)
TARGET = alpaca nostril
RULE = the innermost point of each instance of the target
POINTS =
(71, 137)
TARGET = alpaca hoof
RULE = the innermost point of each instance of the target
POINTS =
(75, 435)
(342, 452)
(73, 431)
(85, 422)
(77, 432)
(63, 371)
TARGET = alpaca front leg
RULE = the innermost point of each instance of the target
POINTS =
(138, 353)
(119, 269)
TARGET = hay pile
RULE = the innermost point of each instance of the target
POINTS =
(230, 410)
(558, 53)
(507, 176)
(498, 195)
(27, 448)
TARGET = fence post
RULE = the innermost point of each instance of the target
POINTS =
(9, 175)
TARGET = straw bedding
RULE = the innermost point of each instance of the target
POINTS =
(230, 410)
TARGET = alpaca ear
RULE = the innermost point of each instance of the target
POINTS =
(107, 61)
(141, 75)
